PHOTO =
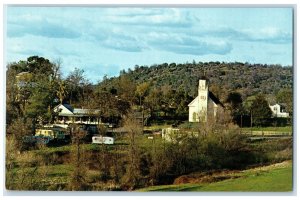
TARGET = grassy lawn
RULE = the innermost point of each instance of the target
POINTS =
(274, 178)
(284, 129)
(156, 127)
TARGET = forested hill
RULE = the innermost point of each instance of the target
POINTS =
(248, 79)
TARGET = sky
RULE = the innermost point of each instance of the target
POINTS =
(105, 40)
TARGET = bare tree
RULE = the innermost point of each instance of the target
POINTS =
(132, 177)
(77, 181)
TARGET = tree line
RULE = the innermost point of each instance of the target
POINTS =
(163, 91)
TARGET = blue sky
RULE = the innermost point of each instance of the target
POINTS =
(106, 40)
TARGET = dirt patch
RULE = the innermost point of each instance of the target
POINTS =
(272, 166)
(207, 177)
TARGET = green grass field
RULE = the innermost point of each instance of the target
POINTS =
(274, 178)
(284, 129)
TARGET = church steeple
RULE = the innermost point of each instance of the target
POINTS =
(203, 98)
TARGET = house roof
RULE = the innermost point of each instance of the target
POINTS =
(76, 111)
(82, 111)
(68, 106)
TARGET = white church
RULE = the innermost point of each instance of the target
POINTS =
(205, 105)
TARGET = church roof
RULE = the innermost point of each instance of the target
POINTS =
(211, 96)
(191, 104)
(214, 98)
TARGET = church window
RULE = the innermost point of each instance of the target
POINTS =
(194, 116)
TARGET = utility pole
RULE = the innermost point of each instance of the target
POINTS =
(251, 121)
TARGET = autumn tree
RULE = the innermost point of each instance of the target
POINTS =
(126, 89)
(168, 100)
(153, 100)
(141, 91)
(62, 91)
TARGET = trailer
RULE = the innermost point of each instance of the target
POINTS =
(53, 133)
(102, 140)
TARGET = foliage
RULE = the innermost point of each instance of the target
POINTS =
(32, 89)
(141, 91)
(18, 130)
(234, 103)
(76, 84)
(285, 96)
(256, 78)
(260, 110)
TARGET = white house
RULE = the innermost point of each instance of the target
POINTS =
(278, 110)
(67, 114)
(204, 105)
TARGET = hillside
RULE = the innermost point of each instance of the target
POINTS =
(248, 79)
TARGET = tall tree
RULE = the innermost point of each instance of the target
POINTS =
(142, 90)
(75, 81)
(261, 111)
(286, 96)
(35, 88)
(153, 100)
(235, 105)
(126, 89)
(132, 177)
(62, 91)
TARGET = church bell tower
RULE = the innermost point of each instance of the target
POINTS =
(203, 99)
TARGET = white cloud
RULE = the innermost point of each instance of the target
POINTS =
(122, 37)
(184, 44)
(268, 34)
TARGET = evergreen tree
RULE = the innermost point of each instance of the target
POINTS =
(261, 111)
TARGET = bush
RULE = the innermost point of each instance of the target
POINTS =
(18, 129)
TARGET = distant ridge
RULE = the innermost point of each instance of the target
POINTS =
(248, 79)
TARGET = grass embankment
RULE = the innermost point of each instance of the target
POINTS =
(273, 178)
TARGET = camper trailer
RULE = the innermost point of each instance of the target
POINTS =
(52, 133)
(102, 140)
